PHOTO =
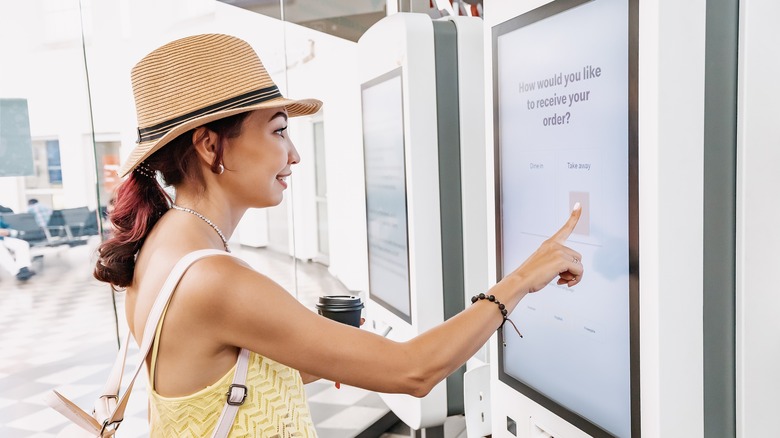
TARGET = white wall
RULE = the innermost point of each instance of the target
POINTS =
(12, 194)
(758, 352)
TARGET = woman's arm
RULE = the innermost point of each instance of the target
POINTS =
(253, 312)
(309, 378)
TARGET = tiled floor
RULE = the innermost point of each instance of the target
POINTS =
(57, 331)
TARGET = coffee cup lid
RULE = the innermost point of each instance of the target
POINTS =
(339, 303)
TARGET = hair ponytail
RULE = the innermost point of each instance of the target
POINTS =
(140, 202)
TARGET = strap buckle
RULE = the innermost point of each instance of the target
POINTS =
(115, 424)
(231, 396)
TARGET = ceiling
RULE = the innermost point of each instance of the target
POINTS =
(347, 19)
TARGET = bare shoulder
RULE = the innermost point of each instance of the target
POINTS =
(223, 285)
(209, 278)
(238, 306)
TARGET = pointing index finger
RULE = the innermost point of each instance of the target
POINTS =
(567, 228)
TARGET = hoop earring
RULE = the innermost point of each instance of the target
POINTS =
(220, 169)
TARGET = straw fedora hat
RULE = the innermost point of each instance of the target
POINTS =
(196, 80)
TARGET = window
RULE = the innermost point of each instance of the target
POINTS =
(47, 165)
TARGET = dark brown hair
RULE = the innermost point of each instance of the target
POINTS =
(141, 201)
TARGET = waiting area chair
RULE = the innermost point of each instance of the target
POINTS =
(28, 228)
(69, 226)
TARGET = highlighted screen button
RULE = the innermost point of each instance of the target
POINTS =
(583, 226)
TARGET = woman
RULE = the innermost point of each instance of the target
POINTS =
(213, 125)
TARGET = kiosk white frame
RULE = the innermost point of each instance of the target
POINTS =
(519, 409)
(415, 44)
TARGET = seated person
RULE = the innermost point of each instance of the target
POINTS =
(19, 263)
(42, 213)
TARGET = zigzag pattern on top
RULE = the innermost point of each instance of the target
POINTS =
(275, 406)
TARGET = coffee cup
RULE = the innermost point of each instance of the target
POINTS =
(342, 308)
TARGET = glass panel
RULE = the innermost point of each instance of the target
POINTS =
(45, 141)
(55, 317)
(122, 33)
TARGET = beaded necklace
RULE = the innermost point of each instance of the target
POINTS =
(204, 219)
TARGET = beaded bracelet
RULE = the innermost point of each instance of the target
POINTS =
(501, 307)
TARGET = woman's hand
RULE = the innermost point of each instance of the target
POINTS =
(553, 258)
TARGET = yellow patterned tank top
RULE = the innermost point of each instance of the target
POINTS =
(275, 406)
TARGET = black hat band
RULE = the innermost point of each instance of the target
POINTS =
(244, 100)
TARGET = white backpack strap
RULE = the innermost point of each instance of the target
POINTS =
(103, 406)
(107, 401)
(235, 396)
(72, 412)
(113, 418)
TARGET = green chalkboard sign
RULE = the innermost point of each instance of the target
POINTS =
(16, 155)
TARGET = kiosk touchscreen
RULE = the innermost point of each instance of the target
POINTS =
(386, 213)
(565, 132)
(413, 153)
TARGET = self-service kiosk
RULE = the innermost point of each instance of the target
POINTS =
(423, 134)
(564, 131)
